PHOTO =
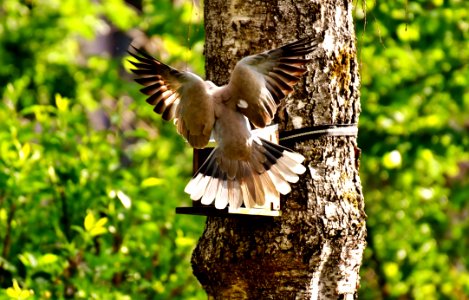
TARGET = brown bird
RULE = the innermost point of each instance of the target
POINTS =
(243, 168)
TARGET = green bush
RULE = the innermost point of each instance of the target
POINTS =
(414, 136)
(89, 178)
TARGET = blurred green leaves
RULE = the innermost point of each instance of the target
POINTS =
(414, 136)
(89, 177)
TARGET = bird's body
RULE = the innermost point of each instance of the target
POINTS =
(243, 168)
(232, 134)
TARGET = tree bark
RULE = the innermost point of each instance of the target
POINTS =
(314, 250)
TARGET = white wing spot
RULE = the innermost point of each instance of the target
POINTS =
(242, 104)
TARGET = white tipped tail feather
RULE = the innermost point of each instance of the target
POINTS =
(262, 178)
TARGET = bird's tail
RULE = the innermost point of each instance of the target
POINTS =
(262, 178)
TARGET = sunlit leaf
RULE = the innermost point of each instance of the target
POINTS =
(93, 226)
(16, 292)
(152, 181)
(392, 159)
(124, 199)
(62, 103)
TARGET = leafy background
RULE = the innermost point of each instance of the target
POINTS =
(90, 177)
(414, 136)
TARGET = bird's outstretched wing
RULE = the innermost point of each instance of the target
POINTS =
(180, 95)
(259, 82)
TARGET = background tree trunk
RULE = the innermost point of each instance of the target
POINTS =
(314, 250)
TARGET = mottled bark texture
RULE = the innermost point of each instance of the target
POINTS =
(314, 250)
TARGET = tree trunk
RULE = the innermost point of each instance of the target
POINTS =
(314, 250)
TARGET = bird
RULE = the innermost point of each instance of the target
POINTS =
(243, 169)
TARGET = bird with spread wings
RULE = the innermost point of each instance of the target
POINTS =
(243, 168)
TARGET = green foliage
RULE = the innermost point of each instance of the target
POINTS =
(414, 136)
(89, 179)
